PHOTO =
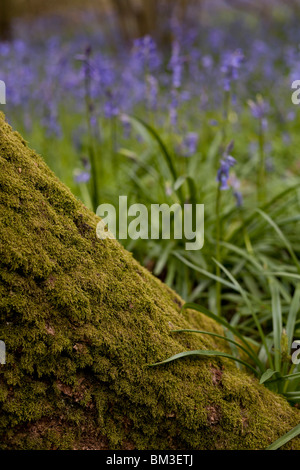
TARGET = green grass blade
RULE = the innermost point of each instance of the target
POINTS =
(292, 316)
(287, 377)
(286, 438)
(267, 375)
(204, 353)
(246, 300)
(161, 144)
(204, 271)
(293, 396)
(277, 324)
(270, 203)
(209, 333)
(225, 324)
(281, 236)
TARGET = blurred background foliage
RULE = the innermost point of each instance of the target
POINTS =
(137, 18)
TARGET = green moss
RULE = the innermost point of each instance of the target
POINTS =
(81, 319)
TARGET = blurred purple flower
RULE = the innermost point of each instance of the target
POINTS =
(207, 61)
(190, 144)
(291, 116)
(223, 172)
(110, 107)
(185, 95)
(173, 108)
(259, 108)
(231, 63)
(235, 184)
(176, 65)
(145, 54)
(82, 177)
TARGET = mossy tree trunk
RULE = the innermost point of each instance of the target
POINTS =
(139, 18)
(5, 20)
(81, 320)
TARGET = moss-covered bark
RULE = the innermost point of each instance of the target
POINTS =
(81, 319)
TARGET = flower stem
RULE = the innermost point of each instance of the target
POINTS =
(226, 105)
(218, 251)
(91, 148)
(261, 183)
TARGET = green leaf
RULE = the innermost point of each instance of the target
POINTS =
(277, 324)
(227, 325)
(267, 375)
(292, 396)
(209, 333)
(163, 259)
(204, 353)
(285, 438)
(281, 236)
(191, 184)
(160, 142)
(270, 203)
(204, 271)
(179, 182)
(292, 316)
(248, 303)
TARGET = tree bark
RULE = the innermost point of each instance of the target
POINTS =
(5, 20)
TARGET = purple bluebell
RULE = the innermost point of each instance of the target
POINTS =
(223, 172)
(239, 198)
(173, 108)
(291, 116)
(82, 177)
(231, 64)
(235, 185)
(190, 143)
(176, 65)
(207, 61)
(145, 54)
(185, 95)
(259, 108)
(111, 108)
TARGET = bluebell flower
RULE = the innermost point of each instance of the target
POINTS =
(82, 177)
(223, 172)
(190, 143)
(173, 108)
(239, 198)
(110, 107)
(259, 108)
(231, 63)
(176, 65)
(235, 185)
(145, 54)
(291, 116)
(185, 95)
